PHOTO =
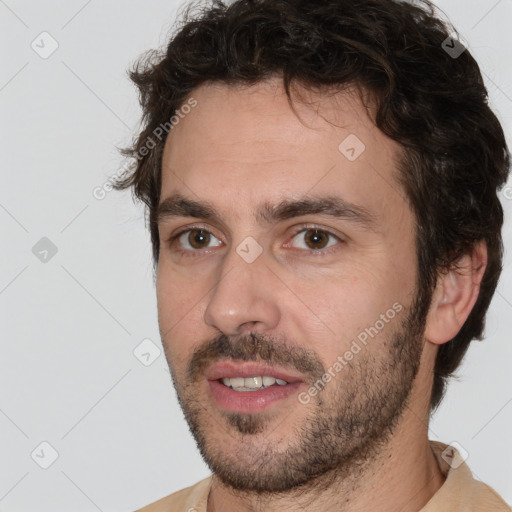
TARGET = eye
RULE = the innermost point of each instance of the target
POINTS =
(315, 238)
(196, 238)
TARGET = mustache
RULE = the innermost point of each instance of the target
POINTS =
(256, 348)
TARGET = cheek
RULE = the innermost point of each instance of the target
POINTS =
(335, 311)
(179, 313)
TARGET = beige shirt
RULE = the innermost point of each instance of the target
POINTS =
(459, 493)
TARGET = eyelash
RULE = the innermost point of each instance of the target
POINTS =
(299, 229)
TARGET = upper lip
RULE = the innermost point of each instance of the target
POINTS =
(226, 369)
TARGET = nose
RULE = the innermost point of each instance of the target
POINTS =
(245, 297)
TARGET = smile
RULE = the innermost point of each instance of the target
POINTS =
(252, 383)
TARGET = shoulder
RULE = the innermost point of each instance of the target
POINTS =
(461, 491)
(193, 497)
(486, 498)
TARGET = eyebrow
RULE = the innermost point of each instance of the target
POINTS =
(336, 207)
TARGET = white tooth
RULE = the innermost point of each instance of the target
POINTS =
(226, 381)
(237, 382)
(252, 382)
(268, 381)
(281, 382)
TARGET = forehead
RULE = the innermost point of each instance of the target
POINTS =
(246, 143)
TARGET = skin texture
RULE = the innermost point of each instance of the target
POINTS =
(362, 441)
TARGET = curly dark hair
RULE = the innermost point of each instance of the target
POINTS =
(433, 103)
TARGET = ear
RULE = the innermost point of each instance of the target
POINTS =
(455, 295)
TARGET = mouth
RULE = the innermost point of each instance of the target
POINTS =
(250, 387)
(252, 383)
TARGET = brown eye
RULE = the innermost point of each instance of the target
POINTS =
(314, 238)
(198, 238)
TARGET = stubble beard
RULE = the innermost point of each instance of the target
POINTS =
(347, 426)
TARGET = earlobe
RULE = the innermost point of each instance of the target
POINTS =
(455, 295)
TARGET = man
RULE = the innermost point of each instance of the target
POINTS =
(321, 180)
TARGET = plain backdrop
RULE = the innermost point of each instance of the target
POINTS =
(76, 291)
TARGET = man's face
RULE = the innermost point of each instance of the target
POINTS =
(292, 257)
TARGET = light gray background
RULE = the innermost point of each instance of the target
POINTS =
(68, 374)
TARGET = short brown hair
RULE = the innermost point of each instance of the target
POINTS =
(434, 105)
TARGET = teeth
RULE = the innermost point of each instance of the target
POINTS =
(237, 382)
(252, 383)
(268, 381)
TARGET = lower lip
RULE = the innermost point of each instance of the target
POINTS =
(250, 401)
